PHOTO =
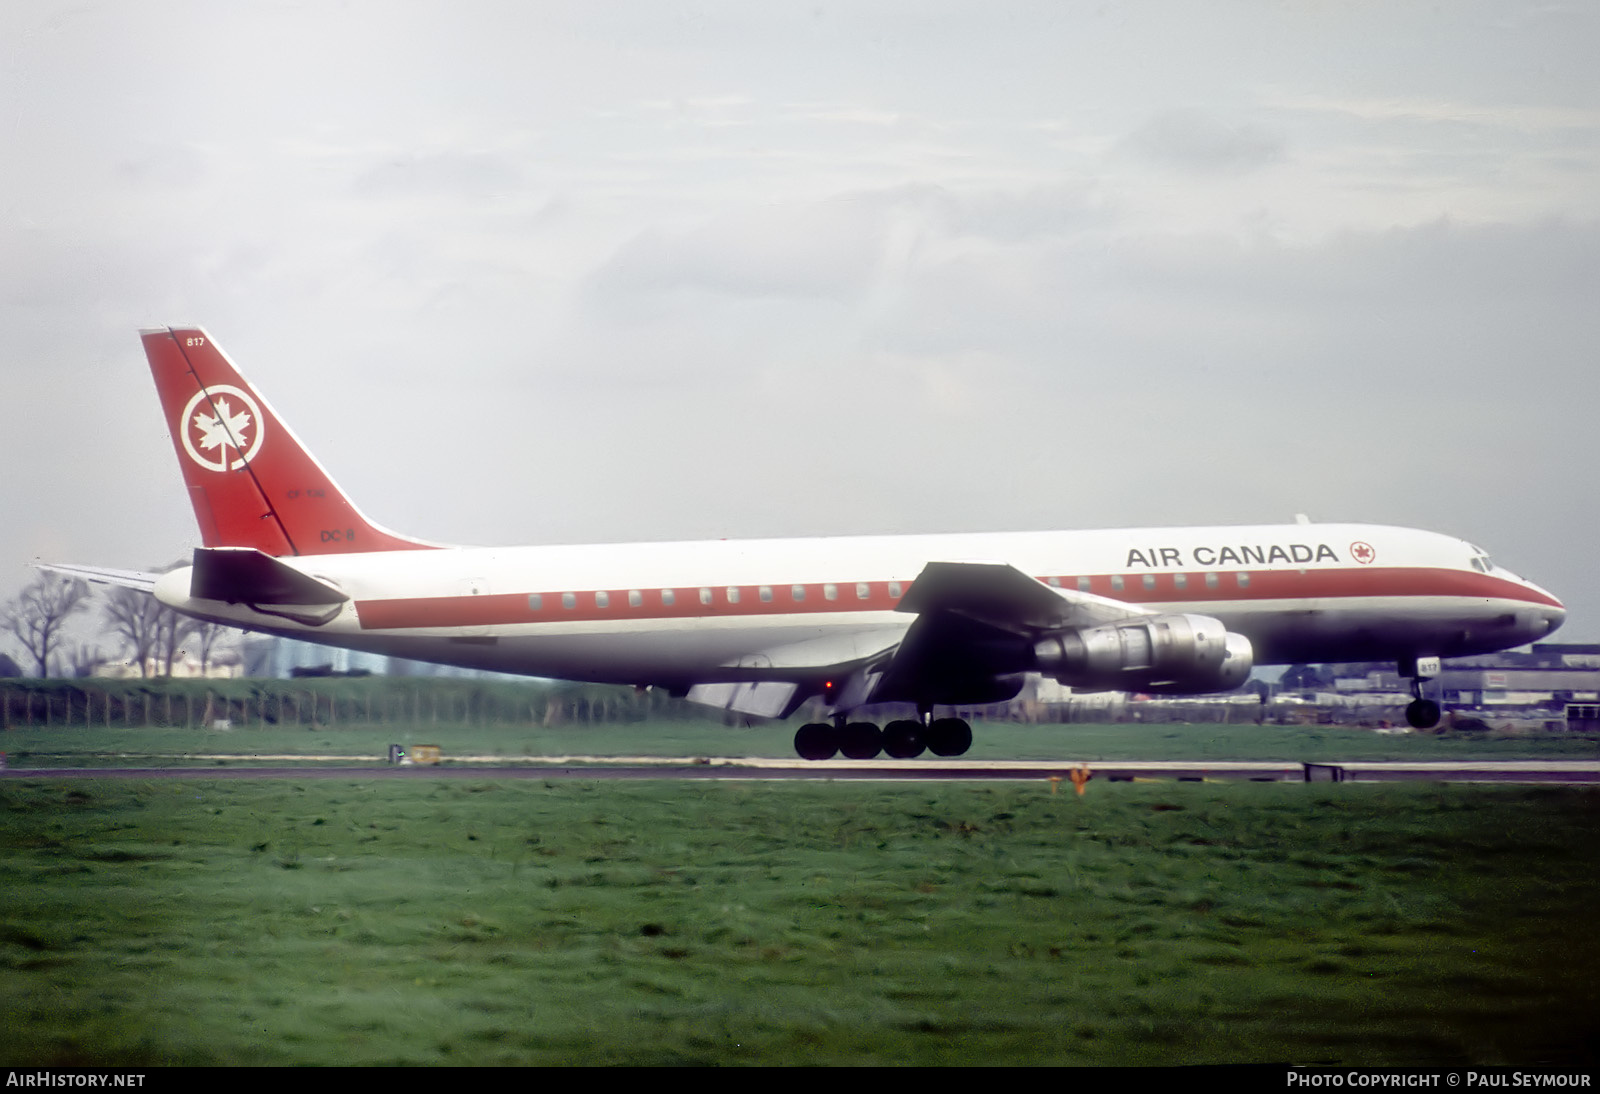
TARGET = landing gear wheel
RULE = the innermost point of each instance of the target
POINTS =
(902, 740)
(948, 737)
(816, 741)
(861, 741)
(1422, 713)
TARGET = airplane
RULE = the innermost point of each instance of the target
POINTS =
(761, 627)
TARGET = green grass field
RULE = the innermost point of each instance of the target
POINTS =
(494, 921)
(67, 746)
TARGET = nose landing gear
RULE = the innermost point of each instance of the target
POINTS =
(1420, 713)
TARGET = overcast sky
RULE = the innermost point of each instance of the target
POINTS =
(584, 272)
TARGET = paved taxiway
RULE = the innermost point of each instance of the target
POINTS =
(573, 767)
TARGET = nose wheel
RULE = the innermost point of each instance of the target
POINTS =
(1420, 713)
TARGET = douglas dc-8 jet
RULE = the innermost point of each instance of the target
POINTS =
(761, 626)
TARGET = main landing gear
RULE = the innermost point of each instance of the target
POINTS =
(900, 740)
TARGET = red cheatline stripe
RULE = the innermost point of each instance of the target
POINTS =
(501, 609)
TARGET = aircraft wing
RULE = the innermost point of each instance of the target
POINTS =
(1004, 597)
(975, 620)
(129, 579)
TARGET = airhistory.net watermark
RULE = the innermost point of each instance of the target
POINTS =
(72, 1078)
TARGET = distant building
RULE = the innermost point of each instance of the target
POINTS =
(280, 658)
(266, 656)
(1533, 684)
(182, 669)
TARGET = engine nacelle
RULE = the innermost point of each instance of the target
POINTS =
(1169, 654)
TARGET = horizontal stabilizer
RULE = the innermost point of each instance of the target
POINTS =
(128, 579)
(243, 575)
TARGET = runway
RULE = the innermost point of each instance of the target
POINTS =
(1569, 772)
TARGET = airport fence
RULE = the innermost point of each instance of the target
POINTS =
(329, 703)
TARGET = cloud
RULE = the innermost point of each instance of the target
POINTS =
(1188, 140)
(456, 176)
(1510, 116)
(826, 250)
(846, 249)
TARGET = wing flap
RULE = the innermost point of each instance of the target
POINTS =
(759, 698)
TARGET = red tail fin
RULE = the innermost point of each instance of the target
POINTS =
(252, 482)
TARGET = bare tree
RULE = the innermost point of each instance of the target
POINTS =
(155, 633)
(136, 617)
(38, 615)
(171, 629)
(83, 659)
(203, 637)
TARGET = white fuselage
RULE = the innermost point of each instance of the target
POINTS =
(661, 613)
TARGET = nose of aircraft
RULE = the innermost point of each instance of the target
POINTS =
(1546, 617)
(1553, 618)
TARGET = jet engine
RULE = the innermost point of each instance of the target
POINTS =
(1170, 654)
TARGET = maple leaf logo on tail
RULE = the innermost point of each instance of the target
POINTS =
(221, 428)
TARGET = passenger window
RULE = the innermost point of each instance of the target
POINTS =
(797, 593)
(1053, 582)
(535, 602)
(894, 590)
(635, 598)
(863, 590)
(1116, 582)
(1083, 584)
(569, 600)
(766, 594)
(1211, 580)
(1180, 581)
(1149, 581)
(602, 600)
(1244, 580)
(733, 594)
(668, 596)
(830, 592)
(705, 596)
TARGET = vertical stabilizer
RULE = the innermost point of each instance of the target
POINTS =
(252, 482)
